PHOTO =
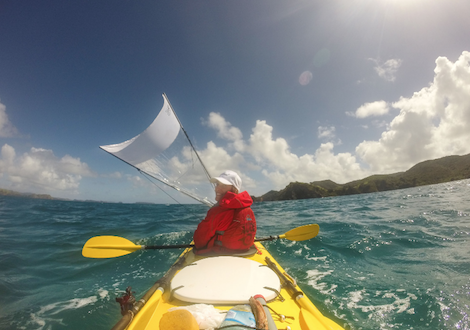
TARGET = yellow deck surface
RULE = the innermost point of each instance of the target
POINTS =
(299, 315)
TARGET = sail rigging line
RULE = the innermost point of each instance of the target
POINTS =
(187, 136)
(145, 175)
(159, 136)
(166, 183)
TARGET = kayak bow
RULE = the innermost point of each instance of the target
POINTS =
(223, 282)
(214, 280)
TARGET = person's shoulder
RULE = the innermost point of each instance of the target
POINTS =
(235, 201)
(245, 196)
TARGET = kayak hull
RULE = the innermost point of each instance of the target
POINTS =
(291, 308)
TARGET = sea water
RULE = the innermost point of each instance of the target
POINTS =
(390, 260)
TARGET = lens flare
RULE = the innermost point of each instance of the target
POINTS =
(305, 78)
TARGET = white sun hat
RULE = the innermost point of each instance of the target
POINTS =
(229, 178)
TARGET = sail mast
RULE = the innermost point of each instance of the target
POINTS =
(187, 136)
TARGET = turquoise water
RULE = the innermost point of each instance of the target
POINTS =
(392, 260)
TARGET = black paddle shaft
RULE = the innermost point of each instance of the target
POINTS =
(162, 247)
(184, 246)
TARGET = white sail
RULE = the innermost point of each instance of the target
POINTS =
(164, 152)
(155, 139)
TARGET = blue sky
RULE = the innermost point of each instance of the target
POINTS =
(280, 91)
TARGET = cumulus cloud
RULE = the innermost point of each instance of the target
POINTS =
(378, 108)
(6, 127)
(388, 69)
(225, 130)
(432, 123)
(40, 170)
(278, 164)
(281, 166)
(218, 159)
(326, 132)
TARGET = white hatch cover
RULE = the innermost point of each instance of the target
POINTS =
(225, 281)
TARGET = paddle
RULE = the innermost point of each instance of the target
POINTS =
(114, 246)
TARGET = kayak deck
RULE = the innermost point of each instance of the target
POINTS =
(290, 308)
(224, 280)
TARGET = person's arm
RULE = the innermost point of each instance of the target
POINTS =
(214, 221)
(203, 233)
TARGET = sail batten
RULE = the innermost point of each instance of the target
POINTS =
(165, 153)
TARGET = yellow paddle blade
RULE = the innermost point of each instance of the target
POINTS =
(302, 233)
(108, 247)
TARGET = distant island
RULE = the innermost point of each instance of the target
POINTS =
(440, 170)
(6, 192)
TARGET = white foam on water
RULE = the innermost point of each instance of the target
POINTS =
(37, 320)
(43, 316)
(444, 308)
(118, 283)
(398, 304)
(354, 298)
(103, 293)
(314, 277)
(172, 235)
(316, 258)
(288, 243)
(74, 303)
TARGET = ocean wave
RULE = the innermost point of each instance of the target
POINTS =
(390, 260)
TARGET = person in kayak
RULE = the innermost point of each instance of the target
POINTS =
(230, 225)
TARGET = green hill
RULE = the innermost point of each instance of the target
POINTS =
(6, 192)
(440, 170)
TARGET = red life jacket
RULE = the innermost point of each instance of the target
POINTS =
(229, 225)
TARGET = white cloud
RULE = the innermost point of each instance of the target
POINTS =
(274, 159)
(326, 132)
(282, 166)
(217, 159)
(39, 170)
(225, 130)
(378, 108)
(433, 123)
(388, 69)
(6, 127)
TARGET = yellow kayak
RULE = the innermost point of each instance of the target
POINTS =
(223, 282)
